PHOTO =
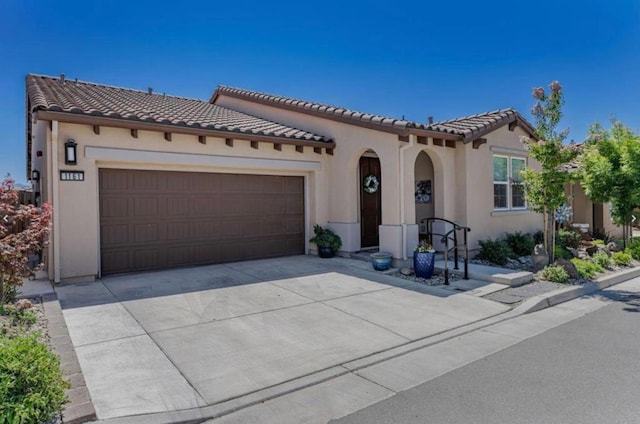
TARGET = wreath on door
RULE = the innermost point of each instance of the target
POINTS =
(371, 184)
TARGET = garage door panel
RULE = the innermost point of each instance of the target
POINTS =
(146, 207)
(145, 233)
(294, 206)
(146, 258)
(147, 181)
(115, 261)
(114, 207)
(177, 231)
(159, 219)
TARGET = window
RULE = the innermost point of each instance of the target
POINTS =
(508, 191)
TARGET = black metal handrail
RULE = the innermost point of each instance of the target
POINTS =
(451, 235)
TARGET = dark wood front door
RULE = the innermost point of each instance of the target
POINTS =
(159, 219)
(370, 203)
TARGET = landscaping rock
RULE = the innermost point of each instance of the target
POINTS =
(23, 304)
(569, 267)
(614, 247)
(603, 248)
(540, 257)
(582, 254)
(592, 249)
(406, 271)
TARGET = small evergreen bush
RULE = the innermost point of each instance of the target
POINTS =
(31, 386)
(601, 259)
(634, 249)
(561, 252)
(555, 273)
(569, 238)
(521, 244)
(586, 268)
(621, 258)
(495, 251)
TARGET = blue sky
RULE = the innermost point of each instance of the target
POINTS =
(411, 59)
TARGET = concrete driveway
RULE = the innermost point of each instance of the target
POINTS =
(192, 338)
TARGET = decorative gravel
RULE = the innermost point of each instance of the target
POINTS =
(436, 280)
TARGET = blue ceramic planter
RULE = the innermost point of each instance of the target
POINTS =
(423, 264)
(381, 261)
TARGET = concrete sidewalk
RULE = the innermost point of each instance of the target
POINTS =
(162, 346)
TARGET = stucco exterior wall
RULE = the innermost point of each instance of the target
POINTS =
(78, 209)
(344, 185)
(483, 220)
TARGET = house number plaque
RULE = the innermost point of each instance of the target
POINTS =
(71, 175)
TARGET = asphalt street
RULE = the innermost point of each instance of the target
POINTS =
(584, 371)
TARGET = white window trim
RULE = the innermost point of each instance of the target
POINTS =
(508, 183)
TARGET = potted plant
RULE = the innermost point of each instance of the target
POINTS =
(423, 260)
(327, 241)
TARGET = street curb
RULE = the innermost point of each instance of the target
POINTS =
(80, 409)
(559, 296)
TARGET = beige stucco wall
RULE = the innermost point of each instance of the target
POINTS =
(78, 209)
(481, 217)
(462, 182)
(583, 211)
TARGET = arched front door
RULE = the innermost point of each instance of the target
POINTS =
(370, 201)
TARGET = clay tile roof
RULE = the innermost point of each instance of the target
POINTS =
(322, 109)
(474, 126)
(84, 98)
(467, 128)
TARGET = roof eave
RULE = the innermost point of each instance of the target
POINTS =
(292, 106)
(76, 118)
(515, 118)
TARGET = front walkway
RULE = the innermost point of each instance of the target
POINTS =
(190, 338)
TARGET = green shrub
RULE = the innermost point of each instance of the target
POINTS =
(495, 251)
(16, 317)
(634, 249)
(538, 237)
(561, 252)
(598, 242)
(555, 273)
(568, 238)
(621, 258)
(521, 244)
(586, 268)
(31, 386)
(601, 259)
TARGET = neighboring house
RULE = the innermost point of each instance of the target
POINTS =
(587, 215)
(140, 180)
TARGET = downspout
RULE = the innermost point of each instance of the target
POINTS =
(412, 142)
(56, 204)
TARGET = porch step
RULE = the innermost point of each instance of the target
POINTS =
(509, 277)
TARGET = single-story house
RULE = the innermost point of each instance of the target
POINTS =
(140, 180)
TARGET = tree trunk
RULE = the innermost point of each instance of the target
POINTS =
(551, 222)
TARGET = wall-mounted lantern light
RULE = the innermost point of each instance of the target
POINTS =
(35, 175)
(70, 157)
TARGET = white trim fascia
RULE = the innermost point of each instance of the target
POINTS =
(508, 151)
(55, 176)
(128, 155)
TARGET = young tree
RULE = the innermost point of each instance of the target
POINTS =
(23, 232)
(610, 171)
(545, 188)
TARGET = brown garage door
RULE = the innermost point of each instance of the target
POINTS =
(159, 219)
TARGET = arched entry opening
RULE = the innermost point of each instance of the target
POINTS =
(424, 189)
(370, 179)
